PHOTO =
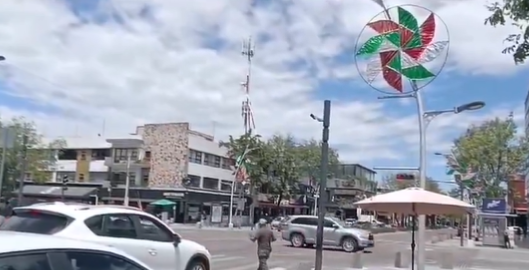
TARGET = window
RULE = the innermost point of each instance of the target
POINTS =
(119, 226)
(328, 223)
(68, 154)
(152, 230)
(122, 154)
(212, 160)
(225, 185)
(147, 155)
(227, 163)
(34, 221)
(25, 262)
(195, 156)
(216, 162)
(210, 183)
(305, 221)
(100, 154)
(95, 224)
(194, 180)
(88, 260)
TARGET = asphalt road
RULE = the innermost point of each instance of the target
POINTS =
(232, 250)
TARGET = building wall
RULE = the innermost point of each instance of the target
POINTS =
(168, 144)
(82, 172)
(517, 198)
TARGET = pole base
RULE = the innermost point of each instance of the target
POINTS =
(470, 243)
(230, 225)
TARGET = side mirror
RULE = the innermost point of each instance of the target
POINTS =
(176, 239)
(335, 226)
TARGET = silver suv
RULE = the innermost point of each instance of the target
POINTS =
(301, 231)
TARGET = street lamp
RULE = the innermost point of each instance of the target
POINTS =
(326, 121)
(232, 191)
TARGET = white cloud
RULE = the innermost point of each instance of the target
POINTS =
(163, 68)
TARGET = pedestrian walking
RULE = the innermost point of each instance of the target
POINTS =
(264, 237)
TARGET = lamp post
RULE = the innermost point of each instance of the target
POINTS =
(326, 121)
(425, 118)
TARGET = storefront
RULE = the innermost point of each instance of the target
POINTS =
(35, 193)
(189, 203)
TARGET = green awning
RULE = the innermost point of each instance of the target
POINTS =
(163, 202)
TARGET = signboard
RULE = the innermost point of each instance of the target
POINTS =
(493, 206)
(216, 213)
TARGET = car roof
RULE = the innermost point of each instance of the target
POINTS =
(20, 241)
(83, 211)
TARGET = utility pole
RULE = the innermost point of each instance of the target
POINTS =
(323, 182)
(7, 142)
(23, 169)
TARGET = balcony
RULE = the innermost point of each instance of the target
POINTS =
(122, 164)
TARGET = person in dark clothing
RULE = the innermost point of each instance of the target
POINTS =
(5, 209)
(264, 237)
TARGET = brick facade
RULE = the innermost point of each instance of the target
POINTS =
(169, 147)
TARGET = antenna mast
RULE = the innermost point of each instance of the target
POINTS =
(246, 112)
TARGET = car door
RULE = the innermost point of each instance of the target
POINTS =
(330, 232)
(116, 230)
(161, 253)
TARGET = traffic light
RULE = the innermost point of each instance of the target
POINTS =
(405, 177)
(65, 181)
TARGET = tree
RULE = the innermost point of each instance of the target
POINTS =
(254, 147)
(494, 151)
(39, 155)
(513, 12)
(309, 153)
(284, 170)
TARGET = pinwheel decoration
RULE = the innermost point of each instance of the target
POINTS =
(400, 49)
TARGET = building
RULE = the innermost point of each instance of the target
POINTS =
(81, 161)
(161, 161)
(170, 155)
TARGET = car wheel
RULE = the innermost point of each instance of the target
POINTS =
(349, 244)
(196, 265)
(297, 240)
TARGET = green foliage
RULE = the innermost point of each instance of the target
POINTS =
(514, 12)
(39, 156)
(280, 162)
(389, 181)
(494, 151)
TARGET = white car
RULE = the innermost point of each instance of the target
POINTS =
(44, 252)
(129, 229)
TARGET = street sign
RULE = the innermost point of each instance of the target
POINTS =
(493, 206)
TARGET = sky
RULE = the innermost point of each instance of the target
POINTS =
(76, 66)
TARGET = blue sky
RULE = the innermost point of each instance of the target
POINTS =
(126, 63)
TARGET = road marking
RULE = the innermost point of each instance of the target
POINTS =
(218, 256)
(225, 259)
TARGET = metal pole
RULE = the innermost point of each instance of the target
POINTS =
(421, 234)
(316, 196)
(22, 173)
(127, 180)
(323, 183)
(62, 192)
(461, 197)
(230, 217)
(5, 134)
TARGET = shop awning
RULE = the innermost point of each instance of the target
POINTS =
(55, 191)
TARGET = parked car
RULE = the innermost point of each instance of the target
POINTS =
(40, 252)
(301, 231)
(129, 229)
(276, 222)
(350, 221)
